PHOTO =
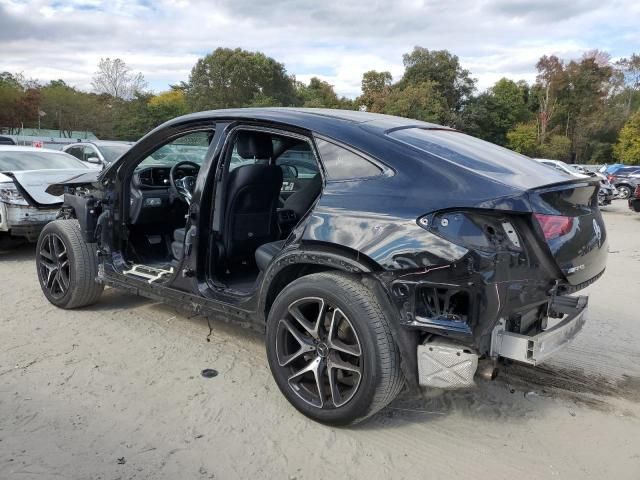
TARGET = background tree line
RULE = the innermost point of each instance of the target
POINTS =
(584, 111)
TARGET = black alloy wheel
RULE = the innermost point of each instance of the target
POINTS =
(67, 266)
(53, 263)
(331, 350)
(319, 349)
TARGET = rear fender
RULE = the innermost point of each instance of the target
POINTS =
(310, 259)
(298, 259)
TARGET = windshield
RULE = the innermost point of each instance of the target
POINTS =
(112, 152)
(191, 147)
(30, 160)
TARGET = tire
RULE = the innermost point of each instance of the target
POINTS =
(624, 192)
(352, 351)
(67, 265)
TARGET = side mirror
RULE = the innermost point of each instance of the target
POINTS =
(95, 160)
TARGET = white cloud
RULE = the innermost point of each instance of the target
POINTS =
(334, 40)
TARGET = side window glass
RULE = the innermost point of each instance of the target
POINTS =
(298, 162)
(89, 152)
(342, 164)
(76, 152)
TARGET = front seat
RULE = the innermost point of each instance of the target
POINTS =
(252, 192)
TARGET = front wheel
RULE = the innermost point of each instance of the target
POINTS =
(67, 265)
(330, 349)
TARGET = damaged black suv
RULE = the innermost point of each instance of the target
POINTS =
(377, 252)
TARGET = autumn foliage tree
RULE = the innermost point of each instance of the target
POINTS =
(627, 149)
(575, 110)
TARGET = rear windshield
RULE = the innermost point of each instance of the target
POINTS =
(29, 160)
(464, 150)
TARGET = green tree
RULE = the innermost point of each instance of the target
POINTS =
(229, 78)
(523, 138)
(132, 119)
(320, 94)
(68, 109)
(375, 87)
(627, 150)
(421, 101)
(167, 105)
(493, 113)
(450, 80)
(557, 147)
(583, 104)
(10, 96)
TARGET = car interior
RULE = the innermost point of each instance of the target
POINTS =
(269, 181)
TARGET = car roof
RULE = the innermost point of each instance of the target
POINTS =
(19, 148)
(100, 142)
(320, 120)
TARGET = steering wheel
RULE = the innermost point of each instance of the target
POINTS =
(184, 186)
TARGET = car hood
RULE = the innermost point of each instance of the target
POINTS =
(34, 183)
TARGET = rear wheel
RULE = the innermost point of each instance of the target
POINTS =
(624, 192)
(67, 265)
(330, 349)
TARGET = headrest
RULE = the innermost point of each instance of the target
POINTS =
(254, 145)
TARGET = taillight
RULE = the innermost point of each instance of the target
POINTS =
(554, 226)
(472, 229)
(610, 178)
(636, 193)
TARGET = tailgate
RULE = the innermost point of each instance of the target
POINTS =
(570, 222)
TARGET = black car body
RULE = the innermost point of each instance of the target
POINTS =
(468, 250)
(625, 179)
(634, 200)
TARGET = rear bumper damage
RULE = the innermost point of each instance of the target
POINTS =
(446, 364)
(536, 348)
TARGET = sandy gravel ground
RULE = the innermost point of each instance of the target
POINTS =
(114, 392)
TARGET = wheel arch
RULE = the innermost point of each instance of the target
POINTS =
(299, 263)
(305, 260)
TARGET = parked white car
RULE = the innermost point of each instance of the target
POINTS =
(562, 166)
(25, 174)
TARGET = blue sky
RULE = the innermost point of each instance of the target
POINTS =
(333, 39)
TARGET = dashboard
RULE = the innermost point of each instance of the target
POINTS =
(151, 201)
(159, 176)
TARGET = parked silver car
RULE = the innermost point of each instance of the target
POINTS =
(103, 152)
(25, 173)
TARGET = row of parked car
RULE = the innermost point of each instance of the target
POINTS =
(616, 181)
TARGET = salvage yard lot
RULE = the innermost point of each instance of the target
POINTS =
(115, 391)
